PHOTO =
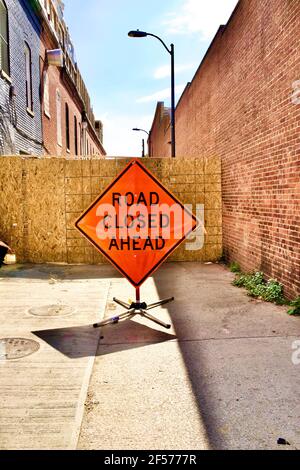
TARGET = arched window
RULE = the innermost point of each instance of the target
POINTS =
(67, 127)
(4, 38)
(28, 75)
(75, 135)
(80, 139)
(58, 118)
(46, 95)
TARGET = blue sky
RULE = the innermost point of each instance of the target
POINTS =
(126, 77)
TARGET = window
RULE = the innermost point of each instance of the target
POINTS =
(46, 95)
(75, 135)
(80, 138)
(58, 117)
(46, 5)
(28, 75)
(67, 127)
(4, 43)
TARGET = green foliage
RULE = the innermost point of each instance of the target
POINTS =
(270, 291)
(235, 267)
(295, 310)
(249, 281)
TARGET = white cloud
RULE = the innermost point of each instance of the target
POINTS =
(119, 138)
(165, 70)
(200, 16)
(161, 95)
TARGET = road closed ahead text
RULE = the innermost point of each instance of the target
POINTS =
(140, 221)
(136, 223)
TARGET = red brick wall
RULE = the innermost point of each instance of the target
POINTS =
(239, 107)
(59, 81)
(160, 135)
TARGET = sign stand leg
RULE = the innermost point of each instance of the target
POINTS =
(136, 308)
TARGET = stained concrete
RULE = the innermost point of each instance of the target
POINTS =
(221, 378)
(42, 395)
(226, 381)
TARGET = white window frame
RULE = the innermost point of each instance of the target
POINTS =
(58, 117)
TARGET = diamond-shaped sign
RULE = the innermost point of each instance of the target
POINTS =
(136, 223)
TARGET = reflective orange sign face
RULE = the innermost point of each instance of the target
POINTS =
(136, 223)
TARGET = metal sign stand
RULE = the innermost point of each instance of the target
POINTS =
(136, 308)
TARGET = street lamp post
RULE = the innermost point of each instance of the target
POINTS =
(171, 51)
(142, 130)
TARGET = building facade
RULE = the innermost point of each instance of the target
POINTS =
(20, 106)
(69, 124)
(159, 142)
(243, 105)
(45, 106)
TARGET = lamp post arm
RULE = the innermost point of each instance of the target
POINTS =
(157, 37)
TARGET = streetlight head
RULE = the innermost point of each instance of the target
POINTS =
(137, 34)
(136, 129)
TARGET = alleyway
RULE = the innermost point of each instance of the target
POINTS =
(222, 377)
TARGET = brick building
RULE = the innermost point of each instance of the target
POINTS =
(20, 107)
(45, 108)
(243, 104)
(69, 125)
(160, 134)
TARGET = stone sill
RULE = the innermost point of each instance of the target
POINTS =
(30, 112)
(5, 76)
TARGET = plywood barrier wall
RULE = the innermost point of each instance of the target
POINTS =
(41, 198)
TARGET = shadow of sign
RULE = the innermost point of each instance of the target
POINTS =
(82, 341)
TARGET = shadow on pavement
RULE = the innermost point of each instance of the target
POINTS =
(59, 273)
(82, 341)
(186, 296)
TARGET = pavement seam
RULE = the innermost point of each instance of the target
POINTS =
(200, 340)
(235, 338)
(84, 388)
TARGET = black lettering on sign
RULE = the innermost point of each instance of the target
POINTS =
(150, 200)
(125, 243)
(116, 198)
(159, 243)
(107, 227)
(142, 199)
(154, 199)
(113, 244)
(141, 221)
(148, 244)
(152, 220)
(137, 244)
(164, 221)
(129, 199)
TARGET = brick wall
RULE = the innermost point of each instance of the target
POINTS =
(40, 200)
(25, 130)
(239, 107)
(160, 134)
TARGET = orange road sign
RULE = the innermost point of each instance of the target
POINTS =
(136, 223)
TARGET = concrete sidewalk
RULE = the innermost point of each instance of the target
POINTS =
(42, 395)
(222, 377)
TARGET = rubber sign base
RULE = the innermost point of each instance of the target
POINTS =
(136, 308)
